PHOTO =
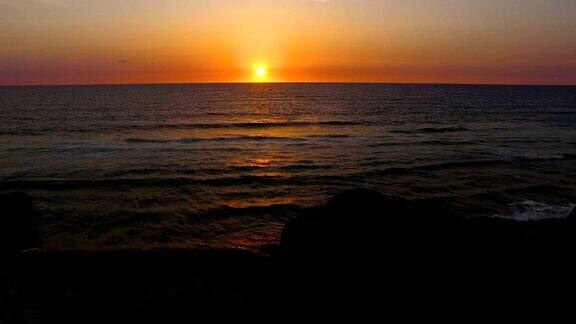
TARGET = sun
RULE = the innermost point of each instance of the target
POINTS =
(260, 73)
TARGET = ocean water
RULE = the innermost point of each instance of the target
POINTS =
(149, 166)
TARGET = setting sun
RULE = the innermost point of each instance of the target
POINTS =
(260, 73)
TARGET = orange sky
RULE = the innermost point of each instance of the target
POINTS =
(149, 41)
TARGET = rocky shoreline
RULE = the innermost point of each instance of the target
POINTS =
(361, 250)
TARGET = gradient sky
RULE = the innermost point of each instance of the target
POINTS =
(149, 41)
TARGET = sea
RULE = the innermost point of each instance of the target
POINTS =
(227, 165)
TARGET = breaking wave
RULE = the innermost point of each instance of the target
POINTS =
(533, 210)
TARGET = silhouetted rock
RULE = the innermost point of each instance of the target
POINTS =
(365, 223)
(333, 228)
(17, 223)
(572, 215)
(363, 241)
(362, 220)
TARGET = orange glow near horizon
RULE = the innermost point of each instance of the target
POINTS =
(90, 42)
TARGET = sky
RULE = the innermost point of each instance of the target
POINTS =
(163, 41)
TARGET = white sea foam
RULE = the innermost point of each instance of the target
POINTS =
(532, 210)
(529, 156)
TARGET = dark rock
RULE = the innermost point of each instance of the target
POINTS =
(362, 241)
(333, 227)
(572, 215)
(18, 223)
(361, 221)
(364, 223)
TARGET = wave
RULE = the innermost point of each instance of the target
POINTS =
(234, 139)
(298, 167)
(81, 150)
(467, 164)
(532, 210)
(544, 189)
(23, 132)
(329, 136)
(9, 133)
(155, 182)
(519, 157)
(432, 167)
(231, 177)
(544, 112)
(427, 142)
(374, 172)
(431, 130)
(375, 163)
(247, 125)
(110, 183)
(213, 139)
(254, 124)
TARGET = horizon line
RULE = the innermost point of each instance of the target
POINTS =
(287, 82)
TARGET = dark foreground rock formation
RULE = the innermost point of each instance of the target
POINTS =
(362, 254)
(18, 218)
(361, 223)
(419, 253)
